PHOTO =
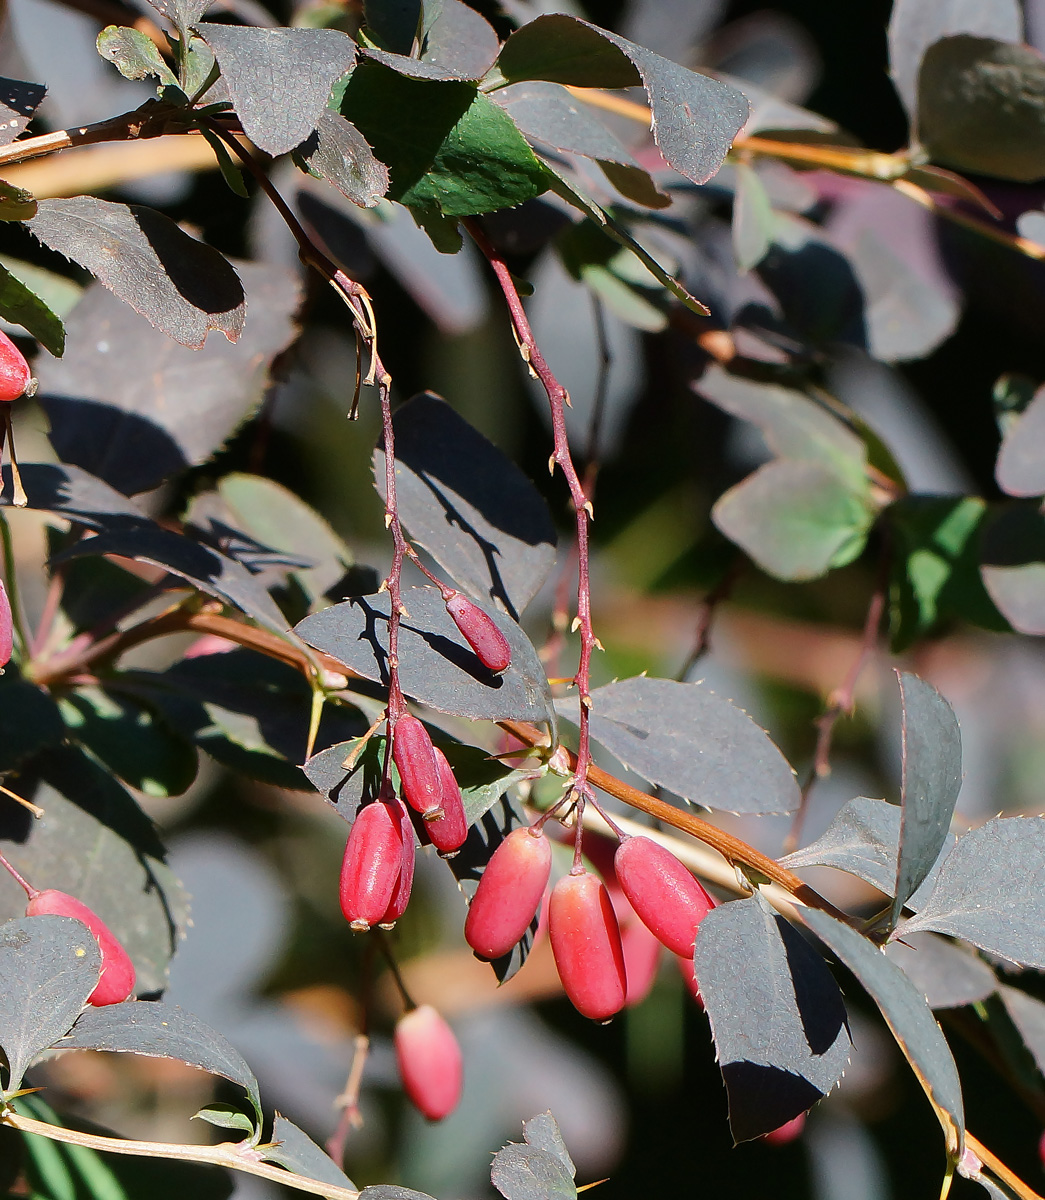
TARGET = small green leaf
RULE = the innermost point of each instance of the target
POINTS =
(16, 204)
(225, 1116)
(753, 219)
(133, 54)
(23, 307)
(231, 173)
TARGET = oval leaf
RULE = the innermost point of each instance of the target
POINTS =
(296, 1151)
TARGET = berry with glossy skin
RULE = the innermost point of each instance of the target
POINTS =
(405, 882)
(429, 1061)
(6, 628)
(15, 376)
(117, 978)
(670, 902)
(372, 865)
(509, 893)
(480, 632)
(586, 944)
(415, 760)
(448, 832)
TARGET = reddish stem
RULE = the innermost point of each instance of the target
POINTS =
(30, 891)
(558, 398)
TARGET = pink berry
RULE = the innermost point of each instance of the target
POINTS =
(6, 628)
(405, 882)
(787, 1132)
(117, 978)
(448, 832)
(372, 865)
(429, 1060)
(415, 760)
(669, 901)
(480, 632)
(586, 944)
(509, 893)
(15, 376)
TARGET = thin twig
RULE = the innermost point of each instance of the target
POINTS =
(351, 1118)
(14, 595)
(994, 1164)
(227, 1154)
(706, 615)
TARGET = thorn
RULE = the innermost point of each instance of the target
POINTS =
(589, 510)
(403, 612)
(599, 646)
(575, 624)
(383, 587)
(388, 519)
(586, 700)
(551, 464)
(566, 398)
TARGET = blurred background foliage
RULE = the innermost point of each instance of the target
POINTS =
(269, 960)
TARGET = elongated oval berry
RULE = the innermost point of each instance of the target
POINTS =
(669, 901)
(15, 376)
(448, 832)
(372, 865)
(429, 1060)
(509, 893)
(642, 953)
(117, 978)
(586, 944)
(415, 760)
(404, 884)
(480, 632)
(6, 628)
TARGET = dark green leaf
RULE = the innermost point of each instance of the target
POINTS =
(862, 839)
(914, 25)
(295, 1150)
(797, 520)
(133, 54)
(932, 777)
(391, 1191)
(130, 740)
(753, 218)
(683, 737)
(23, 307)
(178, 284)
(777, 1016)
(529, 1173)
(279, 79)
(16, 204)
(981, 107)
(337, 152)
(695, 118)
(135, 408)
(907, 1015)
(468, 505)
(211, 572)
(1021, 460)
(29, 720)
(448, 147)
(48, 968)
(225, 1116)
(1013, 569)
(948, 975)
(161, 1030)
(436, 665)
(393, 24)
(18, 102)
(936, 567)
(991, 891)
(543, 1132)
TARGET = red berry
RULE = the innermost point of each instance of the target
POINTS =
(429, 1061)
(405, 882)
(586, 944)
(5, 628)
(448, 832)
(15, 376)
(641, 958)
(415, 760)
(787, 1132)
(372, 865)
(669, 901)
(480, 632)
(509, 893)
(117, 977)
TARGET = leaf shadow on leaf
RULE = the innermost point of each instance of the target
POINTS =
(780, 1095)
(817, 290)
(819, 1002)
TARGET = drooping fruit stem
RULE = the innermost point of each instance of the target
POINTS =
(30, 891)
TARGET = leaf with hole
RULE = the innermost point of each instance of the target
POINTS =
(18, 102)
(135, 408)
(160, 1030)
(931, 760)
(48, 968)
(437, 666)
(683, 737)
(974, 896)
(908, 1016)
(181, 286)
(469, 505)
(134, 54)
